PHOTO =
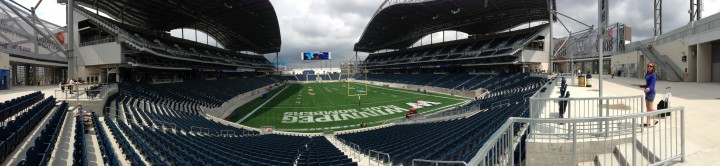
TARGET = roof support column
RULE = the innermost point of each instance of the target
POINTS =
(70, 52)
(550, 38)
(277, 63)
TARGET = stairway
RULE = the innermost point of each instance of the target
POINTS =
(645, 151)
(662, 62)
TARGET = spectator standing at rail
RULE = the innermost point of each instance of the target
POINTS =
(71, 84)
(650, 80)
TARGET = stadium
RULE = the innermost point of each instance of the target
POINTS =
(529, 82)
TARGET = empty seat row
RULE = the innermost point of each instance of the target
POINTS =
(40, 152)
(132, 156)
(109, 155)
(80, 152)
(16, 130)
(14, 106)
(455, 139)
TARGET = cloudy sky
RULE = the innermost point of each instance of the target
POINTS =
(335, 25)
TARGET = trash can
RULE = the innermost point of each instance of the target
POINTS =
(588, 80)
(581, 81)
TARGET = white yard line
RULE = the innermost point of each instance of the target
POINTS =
(263, 104)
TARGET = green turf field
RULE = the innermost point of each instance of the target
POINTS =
(317, 107)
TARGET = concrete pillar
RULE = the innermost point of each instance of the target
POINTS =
(117, 75)
(704, 62)
(692, 64)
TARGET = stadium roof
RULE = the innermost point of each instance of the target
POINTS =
(399, 25)
(240, 25)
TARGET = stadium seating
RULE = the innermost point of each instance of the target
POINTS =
(39, 154)
(154, 113)
(80, 153)
(148, 116)
(171, 46)
(451, 139)
(450, 80)
(290, 77)
(110, 157)
(325, 77)
(12, 107)
(16, 130)
(208, 93)
(312, 77)
(487, 48)
(130, 154)
(335, 76)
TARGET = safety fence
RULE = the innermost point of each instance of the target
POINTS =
(646, 138)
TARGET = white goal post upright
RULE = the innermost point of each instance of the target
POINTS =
(351, 68)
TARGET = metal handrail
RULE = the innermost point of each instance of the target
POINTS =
(495, 137)
(436, 162)
(588, 98)
(377, 157)
(98, 41)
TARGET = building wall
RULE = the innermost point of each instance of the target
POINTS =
(675, 51)
(704, 62)
(692, 64)
(626, 64)
(99, 54)
(715, 61)
(4, 61)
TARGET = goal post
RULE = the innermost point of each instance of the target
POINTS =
(351, 69)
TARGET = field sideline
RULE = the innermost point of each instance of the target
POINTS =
(316, 107)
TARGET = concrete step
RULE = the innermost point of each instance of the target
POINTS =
(626, 152)
(661, 141)
(607, 159)
(62, 153)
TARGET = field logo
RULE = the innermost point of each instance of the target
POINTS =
(341, 115)
(423, 104)
(360, 91)
(310, 91)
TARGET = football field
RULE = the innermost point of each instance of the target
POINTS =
(317, 107)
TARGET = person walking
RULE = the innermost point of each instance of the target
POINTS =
(650, 80)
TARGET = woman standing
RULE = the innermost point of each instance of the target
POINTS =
(650, 80)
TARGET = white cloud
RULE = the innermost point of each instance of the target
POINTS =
(48, 10)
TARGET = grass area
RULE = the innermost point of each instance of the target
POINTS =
(316, 107)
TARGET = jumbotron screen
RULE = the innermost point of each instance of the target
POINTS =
(315, 55)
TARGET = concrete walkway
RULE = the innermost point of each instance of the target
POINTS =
(359, 158)
(62, 155)
(699, 99)
(17, 91)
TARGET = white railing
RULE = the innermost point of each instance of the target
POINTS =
(377, 158)
(346, 145)
(77, 95)
(438, 162)
(584, 107)
(631, 143)
(109, 88)
(98, 41)
(200, 130)
(228, 133)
